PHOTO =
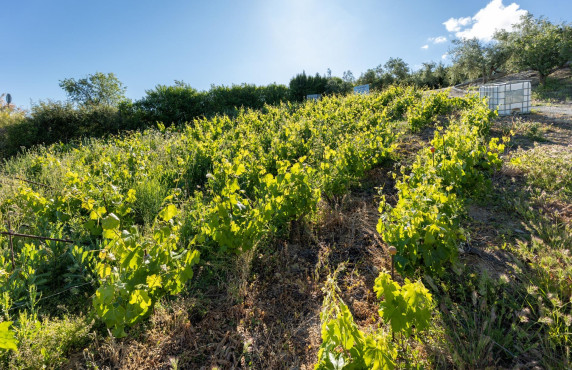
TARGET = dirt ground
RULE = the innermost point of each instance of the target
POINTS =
(265, 312)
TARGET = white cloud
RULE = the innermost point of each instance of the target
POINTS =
(495, 16)
(455, 24)
(425, 47)
(437, 40)
(444, 56)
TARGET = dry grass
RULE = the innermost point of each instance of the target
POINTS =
(267, 315)
(264, 312)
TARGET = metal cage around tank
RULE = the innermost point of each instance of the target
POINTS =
(508, 97)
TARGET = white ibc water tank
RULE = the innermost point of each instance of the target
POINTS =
(508, 97)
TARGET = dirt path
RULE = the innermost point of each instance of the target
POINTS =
(565, 109)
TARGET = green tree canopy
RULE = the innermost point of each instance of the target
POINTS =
(302, 85)
(431, 75)
(348, 76)
(396, 70)
(373, 77)
(336, 85)
(474, 58)
(96, 89)
(171, 104)
(537, 44)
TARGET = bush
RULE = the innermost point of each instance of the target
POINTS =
(170, 104)
(51, 122)
(181, 103)
(46, 344)
(226, 100)
(14, 131)
(59, 121)
(302, 85)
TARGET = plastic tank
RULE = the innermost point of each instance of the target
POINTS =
(508, 97)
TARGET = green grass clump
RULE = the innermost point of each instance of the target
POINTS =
(47, 343)
(547, 167)
(555, 90)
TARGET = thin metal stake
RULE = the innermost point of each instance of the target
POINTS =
(11, 245)
(35, 237)
(392, 251)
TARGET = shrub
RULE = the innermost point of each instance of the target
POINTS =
(46, 344)
(170, 104)
(61, 121)
(15, 131)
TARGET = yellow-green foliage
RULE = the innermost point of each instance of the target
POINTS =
(13, 130)
(547, 167)
(406, 309)
(7, 339)
(231, 182)
(424, 224)
(46, 344)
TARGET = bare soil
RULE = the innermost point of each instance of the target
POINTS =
(265, 312)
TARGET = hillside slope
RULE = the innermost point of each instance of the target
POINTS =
(284, 208)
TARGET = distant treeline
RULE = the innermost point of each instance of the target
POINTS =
(52, 121)
(97, 105)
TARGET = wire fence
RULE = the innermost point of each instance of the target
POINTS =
(12, 234)
(92, 282)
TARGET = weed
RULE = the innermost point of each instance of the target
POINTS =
(555, 90)
(548, 168)
(46, 343)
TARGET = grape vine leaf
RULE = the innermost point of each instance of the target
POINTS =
(168, 212)
(7, 339)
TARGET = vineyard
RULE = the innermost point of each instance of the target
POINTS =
(149, 241)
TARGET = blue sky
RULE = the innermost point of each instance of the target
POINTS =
(146, 43)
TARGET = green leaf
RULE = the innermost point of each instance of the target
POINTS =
(105, 294)
(131, 198)
(154, 281)
(110, 222)
(133, 259)
(92, 227)
(139, 303)
(110, 234)
(119, 331)
(168, 212)
(114, 315)
(7, 339)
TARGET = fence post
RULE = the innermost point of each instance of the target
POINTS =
(392, 251)
(11, 245)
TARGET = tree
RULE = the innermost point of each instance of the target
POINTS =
(566, 45)
(171, 104)
(474, 58)
(302, 85)
(336, 85)
(373, 77)
(426, 75)
(348, 76)
(431, 75)
(441, 75)
(537, 44)
(397, 70)
(96, 89)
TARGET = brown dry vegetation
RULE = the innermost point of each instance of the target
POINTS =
(262, 311)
